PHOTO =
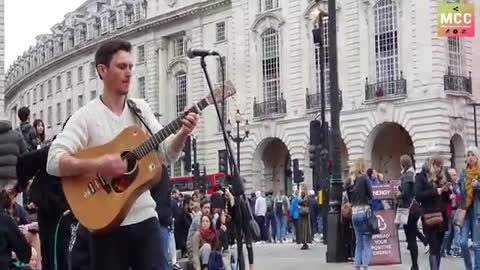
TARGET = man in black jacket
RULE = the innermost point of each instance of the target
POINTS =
(27, 130)
(161, 195)
(11, 238)
(46, 193)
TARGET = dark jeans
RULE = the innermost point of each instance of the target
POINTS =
(435, 239)
(81, 253)
(47, 225)
(411, 232)
(297, 234)
(135, 245)
(163, 252)
(263, 228)
(272, 225)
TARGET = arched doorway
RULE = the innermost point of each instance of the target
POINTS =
(457, 149)
(387, 142)
(271, 161)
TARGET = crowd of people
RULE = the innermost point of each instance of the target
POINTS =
(443, 203)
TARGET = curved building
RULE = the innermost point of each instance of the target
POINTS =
(405, 90)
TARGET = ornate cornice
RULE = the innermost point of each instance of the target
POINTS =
(275, 15)
(91, 45)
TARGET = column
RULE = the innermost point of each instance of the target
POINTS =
(163, 87)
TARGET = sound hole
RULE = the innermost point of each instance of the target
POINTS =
(121, 183)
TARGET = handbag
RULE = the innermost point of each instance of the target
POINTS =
(304, 211)
(401, 217)
(346, 210)
(371, 223)
(459, 217)
(433, 219)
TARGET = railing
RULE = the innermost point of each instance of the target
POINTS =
(271, 107)
(386, 89)
(314, 101)
(457, 83)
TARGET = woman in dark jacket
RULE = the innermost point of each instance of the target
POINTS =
(47, 194)
(360, 197)
(407, 200)
(433, 193)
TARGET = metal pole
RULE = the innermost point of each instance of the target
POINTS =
(475, 123)
(322, 71)
(194, 142)
(335, 248)
(238, 146)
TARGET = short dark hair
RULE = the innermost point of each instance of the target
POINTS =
(217, 187)
(369, 172)
(105, 52)
(204, 201)
(23, 113)
(406, 161)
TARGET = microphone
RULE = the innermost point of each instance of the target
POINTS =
(192, 53)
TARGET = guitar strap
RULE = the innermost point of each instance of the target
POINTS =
(133, 107)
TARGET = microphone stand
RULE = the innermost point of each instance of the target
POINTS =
(241, 228)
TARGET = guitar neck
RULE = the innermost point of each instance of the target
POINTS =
(154, 141)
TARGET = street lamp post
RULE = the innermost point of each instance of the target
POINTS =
(335, 251)
(238, 139)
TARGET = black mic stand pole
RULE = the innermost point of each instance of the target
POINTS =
(237, 183)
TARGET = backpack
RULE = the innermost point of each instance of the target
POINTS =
(269, 205)
(279, 207)
(215, 261)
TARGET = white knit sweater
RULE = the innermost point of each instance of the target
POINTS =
(95, 124)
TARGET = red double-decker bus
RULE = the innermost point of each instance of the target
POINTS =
(208, 181)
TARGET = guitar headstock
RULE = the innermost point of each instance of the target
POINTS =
(218, 92)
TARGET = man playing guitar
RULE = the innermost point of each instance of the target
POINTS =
(136, 242)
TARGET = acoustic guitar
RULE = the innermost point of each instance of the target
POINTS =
(101, 204)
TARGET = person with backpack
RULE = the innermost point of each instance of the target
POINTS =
(26, 129)
(271, 224)
(282, 206)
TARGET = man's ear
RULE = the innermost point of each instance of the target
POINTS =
(102, 70)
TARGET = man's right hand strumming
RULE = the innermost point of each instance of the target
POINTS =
(111, 166)
(108, 166)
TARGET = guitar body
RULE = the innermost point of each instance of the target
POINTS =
(101, 204)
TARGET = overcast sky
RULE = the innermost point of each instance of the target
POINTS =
(25, 19)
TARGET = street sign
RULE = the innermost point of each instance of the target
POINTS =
(385, 245)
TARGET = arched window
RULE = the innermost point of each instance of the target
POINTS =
(180, 91)
(386, 44)
(271, 65)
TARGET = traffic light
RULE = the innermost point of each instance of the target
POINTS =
(196, 169)
(298, 176)
(187, 155)
(313, 158)
(223, 161)
(315, 132)
(315, 141)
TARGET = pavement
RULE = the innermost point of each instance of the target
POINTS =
(289, 256)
